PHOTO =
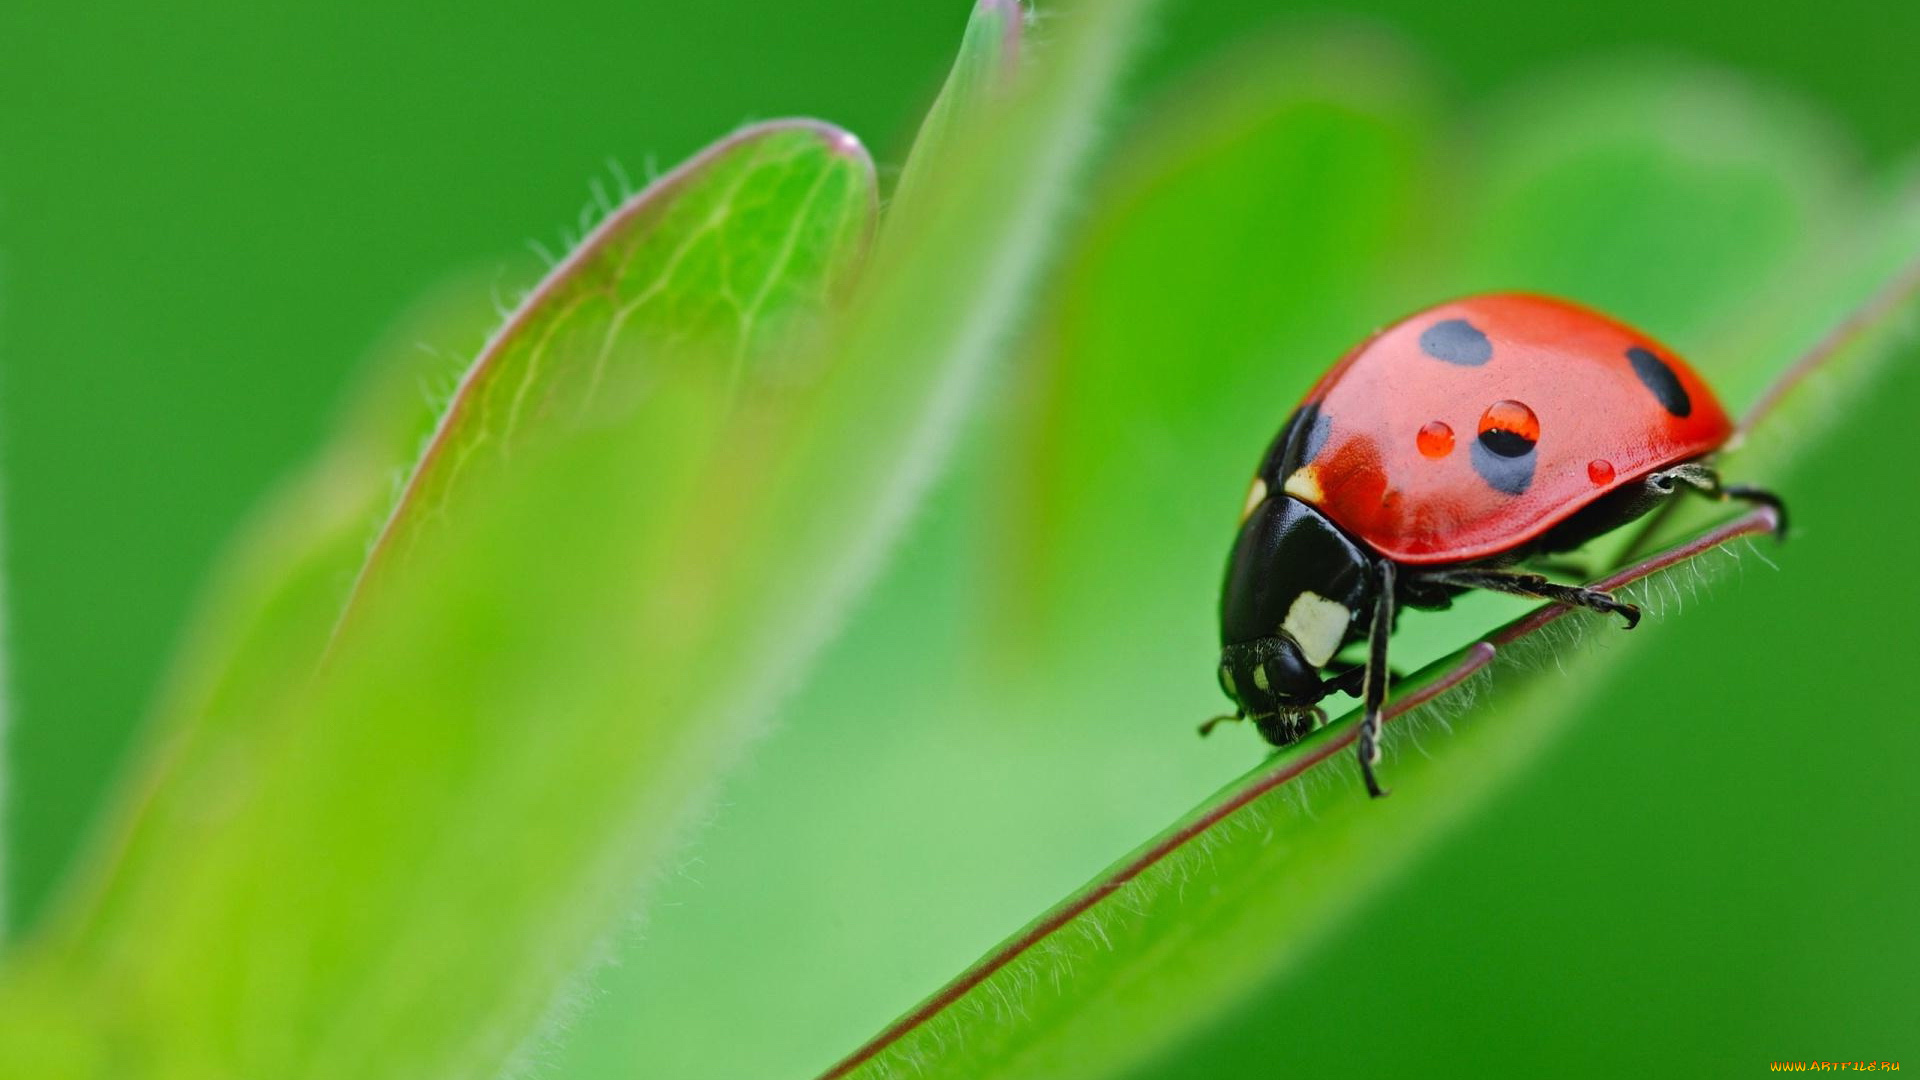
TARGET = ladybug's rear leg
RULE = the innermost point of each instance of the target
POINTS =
(1760, 497)
(1535, 585)
(1704, 478)
(1373, 685)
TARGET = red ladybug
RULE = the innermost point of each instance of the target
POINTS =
(1435, 456)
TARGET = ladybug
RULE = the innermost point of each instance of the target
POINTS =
(1434, 458)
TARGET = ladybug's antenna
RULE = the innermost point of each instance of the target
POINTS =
(1207, 727)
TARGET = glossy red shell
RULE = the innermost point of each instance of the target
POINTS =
(1608, 404)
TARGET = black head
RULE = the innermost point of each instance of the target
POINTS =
(1272, 683)
(1297, 589)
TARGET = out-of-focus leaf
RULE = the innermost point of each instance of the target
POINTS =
(1830, 343)
(1839, 341)
(247, 894)
(983, 73)
(287, 584)
(715, 261)
(283, 582)
(6, 799)
(527, 708)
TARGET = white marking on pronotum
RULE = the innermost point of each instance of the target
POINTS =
(1256, 495)
(1304, 484)
(1318, 625)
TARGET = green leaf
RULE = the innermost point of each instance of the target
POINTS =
(6, 795)
(282, 583)
(1001, 187)
(1167, 943)
(774, 218)
(265, 619)
(983, 75)
(1842, 345)
(1233, 895)
(284, 588)
(714, 263)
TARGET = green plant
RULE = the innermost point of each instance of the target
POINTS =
(665, 482)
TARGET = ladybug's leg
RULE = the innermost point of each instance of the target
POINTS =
(1352, 680)
(1535, 585)
(1760, 497)
(1373, 685)
(1703, 478)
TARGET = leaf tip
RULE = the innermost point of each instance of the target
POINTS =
(838, 140)
(1014, 16)
(844, 146)
(1010, 19)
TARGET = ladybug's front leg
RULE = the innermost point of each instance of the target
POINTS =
(1352, 681)
(1373, 686)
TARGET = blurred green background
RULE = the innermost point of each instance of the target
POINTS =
(208, 216)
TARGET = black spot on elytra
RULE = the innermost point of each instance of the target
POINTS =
(1506, 443)
(1509, 474)
(1300, 442)
(1657, 377)
(1456, 341)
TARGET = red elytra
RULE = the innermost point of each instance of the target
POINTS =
(1546, 406)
